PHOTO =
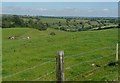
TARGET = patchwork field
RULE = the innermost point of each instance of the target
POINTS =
(35, 59)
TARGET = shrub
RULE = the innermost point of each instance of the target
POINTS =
(52, 33)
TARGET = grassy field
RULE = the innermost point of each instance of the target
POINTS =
(34, 59)
(0, 55)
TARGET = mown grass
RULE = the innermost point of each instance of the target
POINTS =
(34, 59)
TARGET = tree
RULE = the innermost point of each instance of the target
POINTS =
(17, 21)
(40, 26)
(81, 23)
(59, 23)
(68, 20)
(74, 20)
(7, 22)
(47, 25)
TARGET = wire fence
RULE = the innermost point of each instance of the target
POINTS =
(69, 67)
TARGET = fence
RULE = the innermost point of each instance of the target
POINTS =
(60, 65)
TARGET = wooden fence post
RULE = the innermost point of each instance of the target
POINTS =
(60, 66)
(117, 53)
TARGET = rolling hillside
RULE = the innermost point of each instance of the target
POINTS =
(34, 59)
(1, 54)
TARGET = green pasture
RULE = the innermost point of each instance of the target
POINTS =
(35, 59)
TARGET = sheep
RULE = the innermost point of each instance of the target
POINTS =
(11, 37)
(95, 65)
(15, 37)
(25, 38)
(28, 37)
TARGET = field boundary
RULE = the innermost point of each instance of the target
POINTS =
(74, 65)
(27, 69)
(89, 61)
(91, 72)
(52, 60)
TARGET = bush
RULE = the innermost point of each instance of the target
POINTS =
(52, 33)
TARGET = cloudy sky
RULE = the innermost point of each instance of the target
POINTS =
(99, 9)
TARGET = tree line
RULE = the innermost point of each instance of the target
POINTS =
(69, 24)
(18, 21)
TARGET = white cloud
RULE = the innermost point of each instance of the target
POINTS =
(106, 9)
(60, 12)
(41, 9)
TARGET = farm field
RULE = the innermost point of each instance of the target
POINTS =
(0, 55)
(69, 24)
(35, 59)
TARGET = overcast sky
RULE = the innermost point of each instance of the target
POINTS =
(99, 9)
